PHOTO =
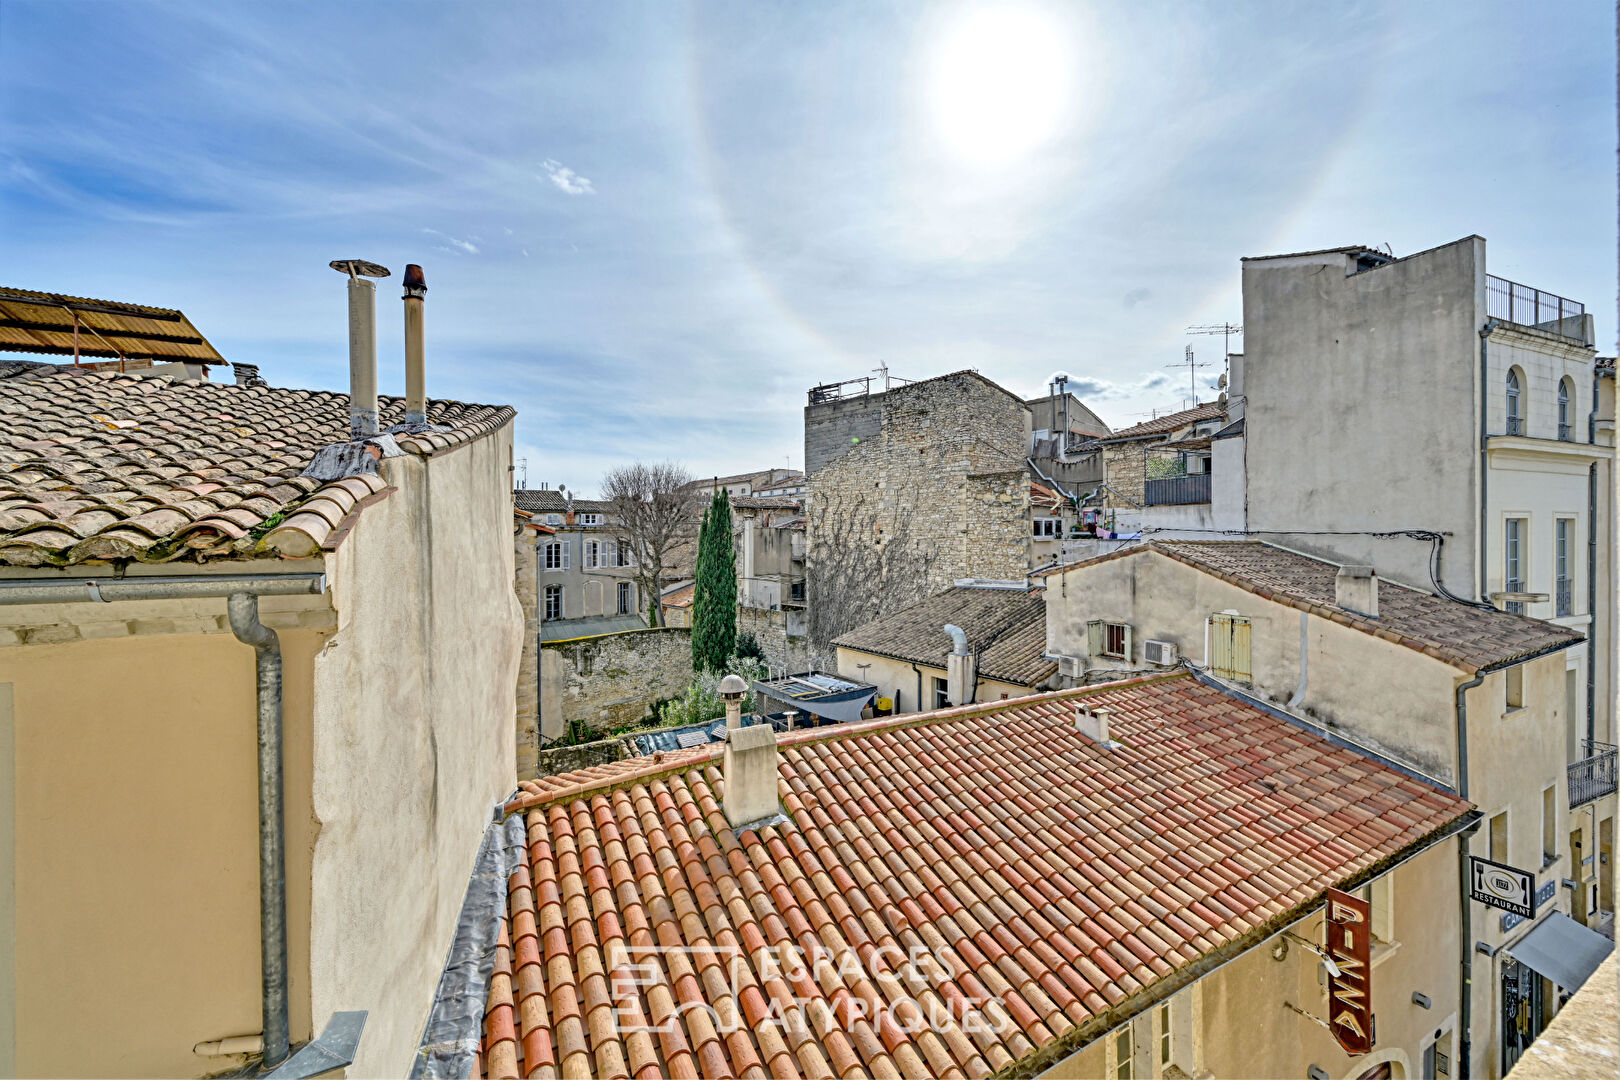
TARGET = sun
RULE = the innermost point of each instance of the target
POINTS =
(999, 82)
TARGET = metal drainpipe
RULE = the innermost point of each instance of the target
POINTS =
(918, 670)
(242, 592)
(1465, 1002)
(1466, 944)
(1591, 601)
(1484, 453)
(245, 624)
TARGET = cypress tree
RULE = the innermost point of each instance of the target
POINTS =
(714, 600)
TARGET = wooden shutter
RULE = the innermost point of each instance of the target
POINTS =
(1127, 654)
(567, 549)
(1094, 637)
(1230, 654)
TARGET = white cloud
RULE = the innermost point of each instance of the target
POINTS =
(567, 180)
(451, 244)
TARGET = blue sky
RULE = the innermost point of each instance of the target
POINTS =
(652, 227)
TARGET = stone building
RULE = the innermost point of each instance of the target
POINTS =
(925, 481)
(526, 558)
(587, 577)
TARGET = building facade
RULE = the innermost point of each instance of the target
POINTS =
(1464, 696)
(587, 579)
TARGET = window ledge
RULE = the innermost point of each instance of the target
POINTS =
(1382, 951)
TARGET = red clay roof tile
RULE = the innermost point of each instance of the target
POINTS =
(1035, 878)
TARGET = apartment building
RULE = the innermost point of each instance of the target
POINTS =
(587, 576)
(1471, 699)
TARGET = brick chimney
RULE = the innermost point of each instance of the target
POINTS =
(1355, 588)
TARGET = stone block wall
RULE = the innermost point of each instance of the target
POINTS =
(947, 468)
(611, 680)
(833, 428)
(1125, 470)
(527, 585)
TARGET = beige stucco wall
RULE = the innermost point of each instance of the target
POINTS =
(895, 679)
(414, 713)
(1240, 1027)
(1406, 710)
(136, 835)
(527, 563)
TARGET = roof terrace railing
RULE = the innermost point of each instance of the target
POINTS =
(1594, 775)
(1515, 303)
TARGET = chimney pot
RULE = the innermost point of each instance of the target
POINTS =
(415, 346)
(362, 343)
(1355, 588)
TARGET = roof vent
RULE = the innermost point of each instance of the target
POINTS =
(362, 343)
(1355, 588)
(1093, 723)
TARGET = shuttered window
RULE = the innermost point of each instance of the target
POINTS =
(1229, 652)
(1109, 639)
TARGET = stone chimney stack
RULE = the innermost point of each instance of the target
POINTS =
(1355, 588)
(1092, 723)
(750, 762)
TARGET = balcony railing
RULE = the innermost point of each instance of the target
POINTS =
(1513, 585)
(1177, 490)
(1515, 425)
(1515, 303)
(1593, 776)
(1563, 595)
(1566, 433)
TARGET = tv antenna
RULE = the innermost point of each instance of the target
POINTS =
(1192, 365)
(1225, 329)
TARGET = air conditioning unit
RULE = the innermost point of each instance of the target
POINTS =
(1162, 653)
(1071, 667)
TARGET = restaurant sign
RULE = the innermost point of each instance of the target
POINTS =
(1349, 948)
(1502, 886)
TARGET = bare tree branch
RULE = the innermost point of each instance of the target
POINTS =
(656, 515)
(860, 563)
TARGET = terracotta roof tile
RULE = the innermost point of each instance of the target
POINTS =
(1462, 635)
(103, 466)
(953, 892)
(1006, 628)
(1163, 425)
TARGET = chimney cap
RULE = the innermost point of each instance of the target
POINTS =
(733, 687)
(415, 280)
(1350, 570)
(359, 267)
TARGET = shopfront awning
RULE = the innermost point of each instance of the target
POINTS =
(1563, 950)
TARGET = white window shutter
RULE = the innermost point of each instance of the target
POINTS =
(1129, 655)
(567, 548)
(1094, 637)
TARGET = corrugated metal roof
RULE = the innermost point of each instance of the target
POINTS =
(40, 322)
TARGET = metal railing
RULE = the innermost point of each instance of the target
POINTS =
(1593, 776)
(1515, 425)
(1513, 585)
(1515, 303)
(1566, 433)
(1177, 490)
(1563, 594)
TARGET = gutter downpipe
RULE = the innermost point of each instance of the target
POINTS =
(918, 670)
(1591, 565)
(241, 592)
(1484, 453)
(245, 624)
(1465, 1001)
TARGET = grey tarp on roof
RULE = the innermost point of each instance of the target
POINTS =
(841, 702)
(1563, 950)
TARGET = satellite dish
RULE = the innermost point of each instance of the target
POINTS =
(358, 267)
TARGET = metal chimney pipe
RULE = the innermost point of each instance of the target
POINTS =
(362, 357)
(415, 369)
(362, 343)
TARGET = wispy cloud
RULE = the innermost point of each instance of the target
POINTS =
(1090, 388)
(452, 244)
(567, 180)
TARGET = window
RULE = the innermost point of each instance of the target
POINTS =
(1164, 1035)
(1549, 824)
(1048, 528)
(1563, 587)
(942, 694)
(556, 555)
(1109, 639)
(554, 519)
(590, 519)
(1513, 682)
(1513, 562)
(796, 590)
(1230, 651)
(1499, 837)
(626, 606)
(1123, 1052)
(1515, 417)
(591, 549)
(1566, 429)
(553, 602)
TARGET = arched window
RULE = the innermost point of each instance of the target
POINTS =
(1515, 413)
(1566, 396)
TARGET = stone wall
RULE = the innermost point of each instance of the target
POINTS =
(833, 428)
(781, 637)
(611, 680)
(947, 468)
(528, 688)
(1125, 471)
